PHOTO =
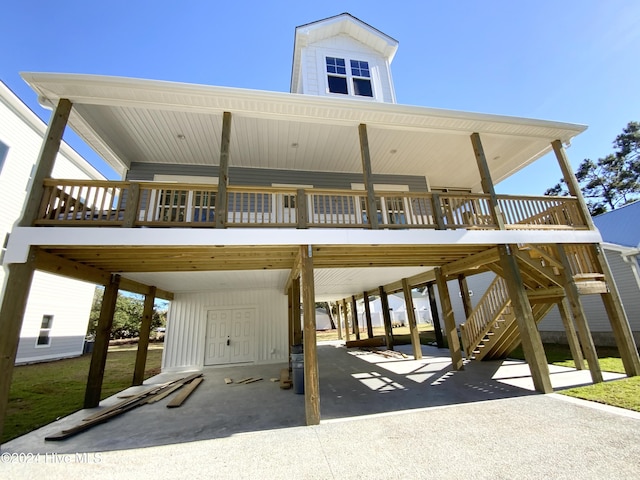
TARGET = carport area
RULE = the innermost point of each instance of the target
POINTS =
(353, 383)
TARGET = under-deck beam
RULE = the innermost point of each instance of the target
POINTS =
(221, 206)
(529, 334)
(449, 321)
(143, 342)
(311, 380)
(14, 304)
(101, 345)
(411, 317)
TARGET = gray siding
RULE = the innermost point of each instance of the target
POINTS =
(267, 177)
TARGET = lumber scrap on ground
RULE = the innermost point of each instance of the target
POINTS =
(285, 381)
(119, 408)
(367, 342)
(184, 394)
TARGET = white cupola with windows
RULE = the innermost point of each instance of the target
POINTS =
(343, 57)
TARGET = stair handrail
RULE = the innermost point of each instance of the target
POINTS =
(485, 314)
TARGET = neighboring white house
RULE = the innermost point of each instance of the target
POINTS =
(55, 323)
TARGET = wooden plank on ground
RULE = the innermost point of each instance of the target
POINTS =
(228, 380)
(367, 342)
(121, 407)
(183, 395)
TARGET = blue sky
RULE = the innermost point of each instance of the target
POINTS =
(569, 60)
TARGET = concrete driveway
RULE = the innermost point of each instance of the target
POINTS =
(396, 418)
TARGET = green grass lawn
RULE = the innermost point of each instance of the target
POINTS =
(42, 392)
(624, 393)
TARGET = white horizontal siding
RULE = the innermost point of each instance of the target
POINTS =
(186, 326)
(69, 301)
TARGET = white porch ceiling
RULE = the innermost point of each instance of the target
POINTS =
(131, 120)
(330, 284)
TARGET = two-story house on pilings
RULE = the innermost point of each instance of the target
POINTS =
(241, 204)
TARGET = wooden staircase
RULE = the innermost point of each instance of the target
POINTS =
(491, 331)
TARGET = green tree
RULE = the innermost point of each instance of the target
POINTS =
(127, 316)
(611, 181)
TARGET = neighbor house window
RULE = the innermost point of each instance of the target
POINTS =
(44, 337)
(355, 80)
(3, 154)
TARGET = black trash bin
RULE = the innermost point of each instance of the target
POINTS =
(297, 368)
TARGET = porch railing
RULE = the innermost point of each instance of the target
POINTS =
(167, 204)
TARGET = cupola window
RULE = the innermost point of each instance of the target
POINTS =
(353, 81)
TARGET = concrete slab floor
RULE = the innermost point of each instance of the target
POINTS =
(353, 383)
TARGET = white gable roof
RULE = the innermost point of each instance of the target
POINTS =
(621, 226)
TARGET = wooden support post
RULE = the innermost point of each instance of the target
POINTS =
(46, 160)
(354, 316)
(529, 335)
(386, 317)
(450, 330)
(411, 317)
(437, 211)
(143, 342)
(466, 297)
(572, 182)
(618, 317)
(572, 337)
(297, 327)
(338, 321)
(131, 207)
(221, 207)
(14, 304)
(290, 318)
(301, 208)
(487, 182)
(573, 297)
(367, 312)
(311, 377)
(434, 315)
(346, 320)
(101, 345)
(372, 210)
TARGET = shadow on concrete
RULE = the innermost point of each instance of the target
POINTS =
(352, 383)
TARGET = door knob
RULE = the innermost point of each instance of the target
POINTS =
(228, 341)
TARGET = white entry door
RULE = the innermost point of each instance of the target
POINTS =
(229, 336)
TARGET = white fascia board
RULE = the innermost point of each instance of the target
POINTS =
(24, 237)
